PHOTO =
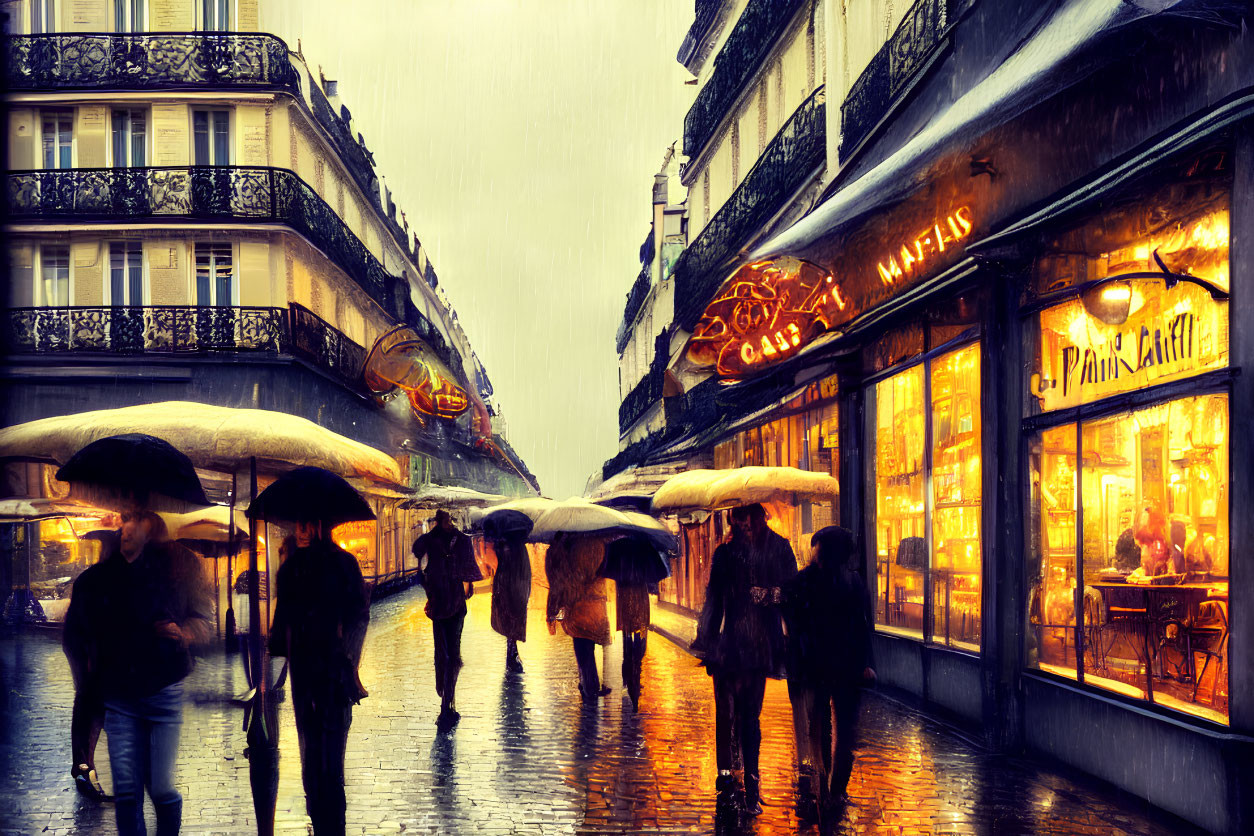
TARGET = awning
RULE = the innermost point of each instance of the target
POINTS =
(441, 496)
(633, 483)
(213, 437)
(28, 510)
(1044, 64)
(718, 489)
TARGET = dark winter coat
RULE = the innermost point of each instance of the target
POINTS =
(830, 622)
(320, 622)
(115, 614)
(733, 633)
(575, 589)
(511, 589)
(450, 566)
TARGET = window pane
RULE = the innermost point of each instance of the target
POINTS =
(117, 274)
(200, 131)
(137, 15)
(1052, 561)
(56, 275)
(223, 272)
(1155, 496)
(119, 139)
(135, 271)
(901, 550)
(221, 124)
(956, 492)
(139, 130)
(119, 16)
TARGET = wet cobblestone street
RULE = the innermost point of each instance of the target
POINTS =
(526, 758)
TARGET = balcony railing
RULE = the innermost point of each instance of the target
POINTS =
(212, 193)
(791, 158)
(635, 298)
(649, 390)
(166, 60)
(186, 330)
(753, 37)
(918, 36)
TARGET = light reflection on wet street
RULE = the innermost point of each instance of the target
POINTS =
(527, 757)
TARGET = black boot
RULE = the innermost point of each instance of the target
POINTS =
(726, 791)
(513, 663)
(169, 817)
(753, 796)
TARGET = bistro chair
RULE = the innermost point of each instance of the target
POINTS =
(1209, 637)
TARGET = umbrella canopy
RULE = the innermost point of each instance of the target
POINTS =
(651, 529)
(310, 494)
(504, 523)
(115, 470)
(634, 560)
(532, 506)
(577, 516)
(213, 437)
(212, 523)
(718, 489)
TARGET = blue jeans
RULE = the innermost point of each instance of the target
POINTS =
(143, 748)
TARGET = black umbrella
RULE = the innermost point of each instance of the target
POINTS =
(634, 560)
(135, 467)
(310, 494)
(506, 523)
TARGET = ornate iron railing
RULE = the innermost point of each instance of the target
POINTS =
(648, 391)
(760, 25)
(184, 330)
(920, 33)
(320, 343)
(354, 155)
(166, 60)
(212, 193)
(148, 329)
(791, 158)
(635, 298)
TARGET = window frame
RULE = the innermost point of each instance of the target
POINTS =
(972, 336)
(206, 8)
(129, 245)
(43, 17)
(124, 16)
(38, 296)
(128, 131)
(213, 292)
(211, 115)
(57, 113)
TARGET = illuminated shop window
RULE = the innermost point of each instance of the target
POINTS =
(1152, 547)
(358, 539)
(951, 561)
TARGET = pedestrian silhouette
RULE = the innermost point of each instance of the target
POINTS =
(511, 585)
(578, 600)
(740, 639)
(448, 577)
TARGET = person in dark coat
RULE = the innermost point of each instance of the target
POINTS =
(511, 590)
(740, 637)
(79, 646)
(578, 600)
(830, 621)
(447, 577)
(142, 611)
(320, 621)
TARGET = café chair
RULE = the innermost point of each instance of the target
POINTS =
(1209, 637)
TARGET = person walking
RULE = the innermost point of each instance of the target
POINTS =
(740, 639)
(828, 609)
(82, 653)
(511, 585)
(628, 561)
(143, 610)
(578, 600)
(448, 578)
(320, 621)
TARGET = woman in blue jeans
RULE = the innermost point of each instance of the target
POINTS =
(146, 607)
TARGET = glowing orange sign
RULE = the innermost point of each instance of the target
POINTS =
(925, 246)
(400, 359)
(765, 313)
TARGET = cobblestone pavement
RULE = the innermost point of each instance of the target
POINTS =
(526, 758)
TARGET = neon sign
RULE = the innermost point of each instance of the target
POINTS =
(766, 312)
(400, 360)
(931, 242)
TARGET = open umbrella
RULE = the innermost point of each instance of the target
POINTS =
(689, 490)
(212, 524)
(113, 471)
(577, 516)
(651, 529)
(502, 524)
(634, 559)
(747, 485)
(310, 493)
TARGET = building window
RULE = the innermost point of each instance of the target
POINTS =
(43, 17)
(130, 134)
(126, 273)
(58, 139)
(1128, 546)
(54, 276)
(216, 15)
(928, 492)
(211, 130)
(215, 275)
(128, 16)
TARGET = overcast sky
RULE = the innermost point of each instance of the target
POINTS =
(521, 138)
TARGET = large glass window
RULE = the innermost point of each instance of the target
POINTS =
(126, 273)
(130, 134)
(43, 17)
(54, 270)
(58, 139)
(211, 134)
(215, 15)
(928, 472)
(215, 274)
(128, 15)
(1149, 538)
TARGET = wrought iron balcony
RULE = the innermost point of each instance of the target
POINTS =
(161, 61)
(918, 36)
(211, 193)
(649, 390)
(791, 158)
(635, 298)
(755, 34)
(185, 330)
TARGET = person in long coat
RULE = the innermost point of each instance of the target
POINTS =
(578, 600)
(831, 620)
(740, 638)
(511, 590)
(320, 621)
